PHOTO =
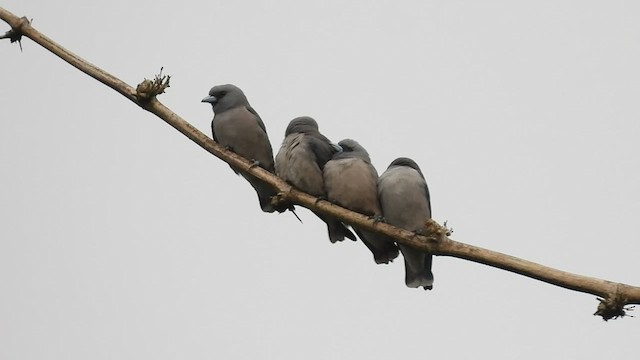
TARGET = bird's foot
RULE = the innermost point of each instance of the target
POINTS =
(377, 218)
(254, 163)
(419, 232)
(321, 198)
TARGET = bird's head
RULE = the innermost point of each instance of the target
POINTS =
(404, 161)
(225, 97)
(354, 149)
(302, 124)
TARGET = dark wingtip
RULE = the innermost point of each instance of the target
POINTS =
(349, 234)
(338, 231)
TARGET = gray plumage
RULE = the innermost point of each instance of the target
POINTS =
(237, 126)
(351, 182)
(404, 197)
(300, 162)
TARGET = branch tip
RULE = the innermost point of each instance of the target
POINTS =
(15, 34)
(148, 89)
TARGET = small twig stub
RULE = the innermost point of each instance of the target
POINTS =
(613, 307)
(15, 35)
(435, 230)
(151, 88)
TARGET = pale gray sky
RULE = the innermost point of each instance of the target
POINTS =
(121, 239)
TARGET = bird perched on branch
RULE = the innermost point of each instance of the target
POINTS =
(352, 182)
(300, 161)
(404, 198)
(238, 127)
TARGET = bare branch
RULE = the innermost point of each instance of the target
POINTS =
(614, 297)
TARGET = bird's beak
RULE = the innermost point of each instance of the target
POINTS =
(337, 147)
(210, 99)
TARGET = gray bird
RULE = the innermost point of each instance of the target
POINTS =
(237, 126)
(404, 197)
(352, 182)
(300, 161)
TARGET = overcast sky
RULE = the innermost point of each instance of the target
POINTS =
(121, 239)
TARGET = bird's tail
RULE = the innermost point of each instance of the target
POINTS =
(265, 192)
(337, 230)
(417, 279)
(384, 250)
(265, 203)
(417, 266)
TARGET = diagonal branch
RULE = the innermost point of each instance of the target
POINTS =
(614, 297)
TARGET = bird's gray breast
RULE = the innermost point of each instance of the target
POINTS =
(296, 164)
(403, 198)
(238, 129)
(352, 183)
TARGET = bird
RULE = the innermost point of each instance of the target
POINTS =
(300, 162)
(352, 182)
(238, 127)
(405, 201)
